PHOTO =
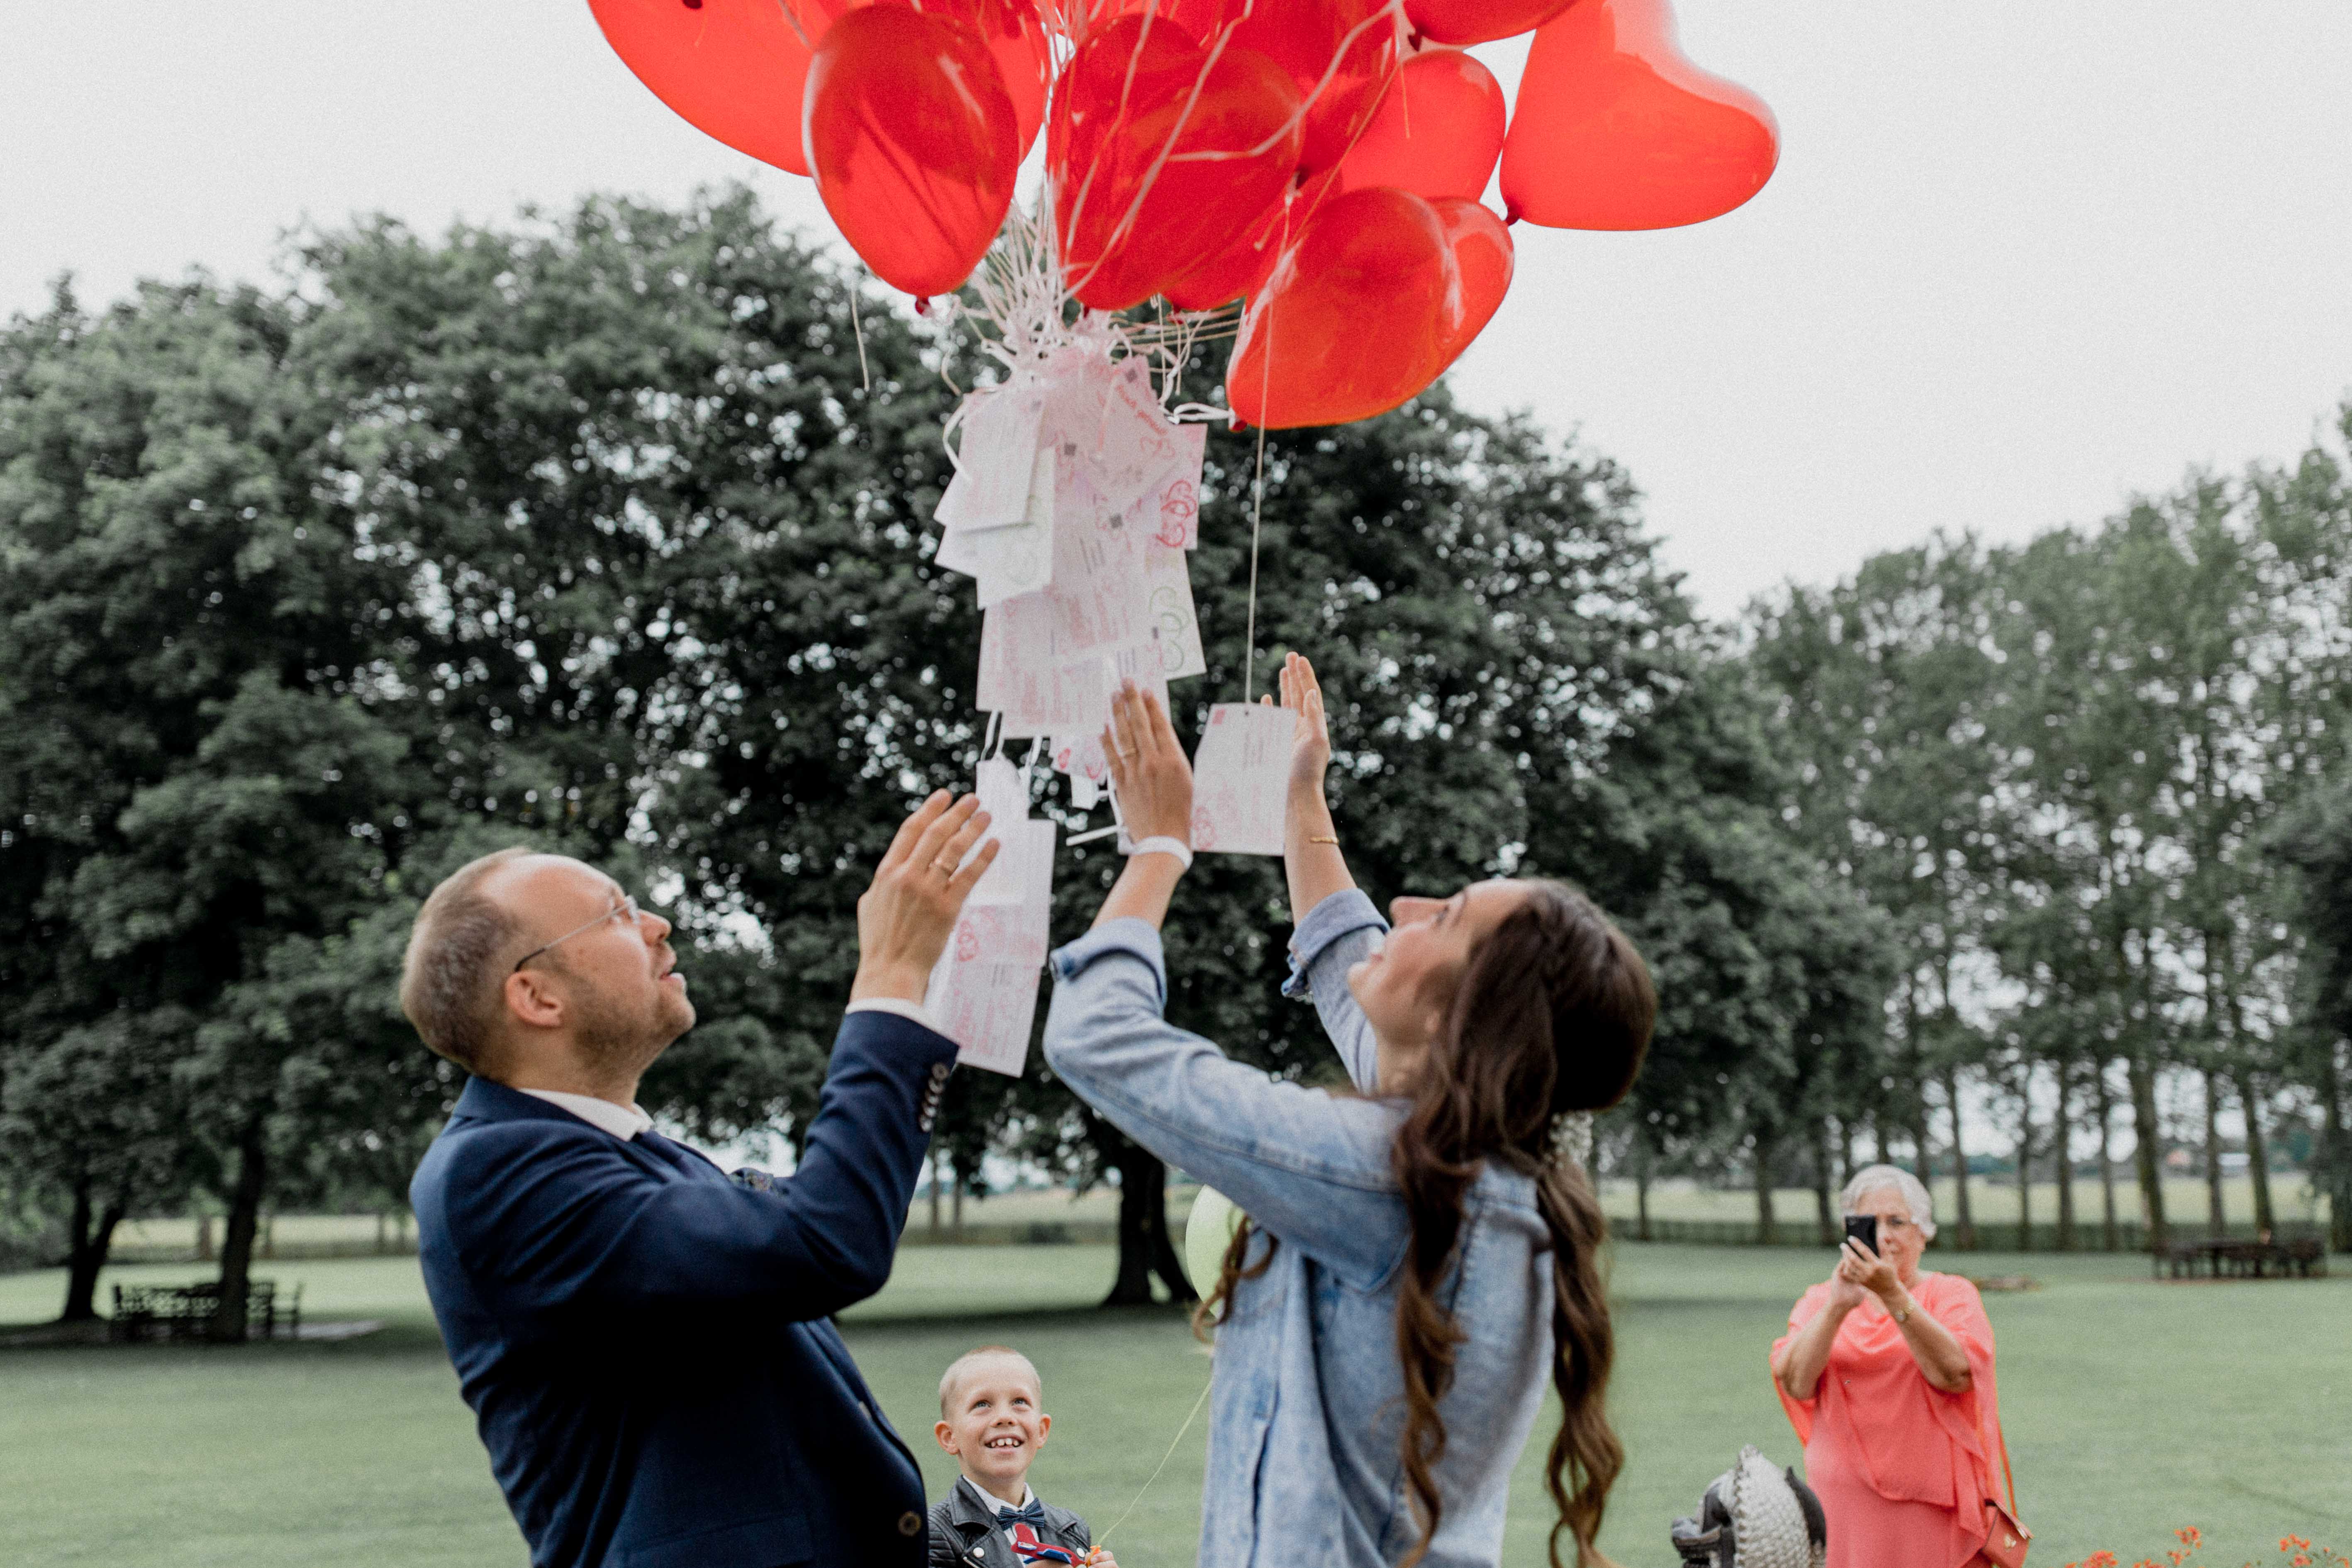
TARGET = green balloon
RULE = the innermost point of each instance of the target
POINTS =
(1207, 1234)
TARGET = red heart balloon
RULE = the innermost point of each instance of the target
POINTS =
(913, 143)
(731, 69)
(1341, 53)
(1016, 37)
(1484, 256)
(1615, 130)
(1478, 21)
(1160, 157)
(1357, 318)
(1438, 131)
(1242, 267)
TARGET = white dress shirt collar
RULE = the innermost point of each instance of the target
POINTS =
(992, 1502)
(623, 1121)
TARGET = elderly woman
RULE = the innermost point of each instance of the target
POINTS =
(1887, 1375)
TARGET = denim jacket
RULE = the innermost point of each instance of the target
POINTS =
(1304, 1466)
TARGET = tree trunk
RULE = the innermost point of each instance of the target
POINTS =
(229, 1325)
(1825, 1212)
(1923, 1164)
(2217, 1216)
(2148, 1156)
(955, 1222)
(2112, 1237)
(2025, 1160)
(2337, 1152)
(1642, 1186)
(1962, 1212)
(1878, 1139)
(2061, 1139)
(1845, 1151)
(90, 1237)
(1145, 1248)
(204, 1239)
(1767, 1231)
(2258, 1152)
(936, 1184)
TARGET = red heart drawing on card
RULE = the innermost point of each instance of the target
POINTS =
(1615, 128)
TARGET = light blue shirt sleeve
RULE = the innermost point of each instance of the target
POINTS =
(1309, 1167)
(1336, 935)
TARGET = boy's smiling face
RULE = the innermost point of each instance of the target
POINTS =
(989, 1420)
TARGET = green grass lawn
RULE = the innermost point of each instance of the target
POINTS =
(2131, 1406)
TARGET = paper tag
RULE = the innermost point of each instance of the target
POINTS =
(1170, 510)
(1137, 443)
(1241, 779)
(1013, 560)
(1036, 698)
(1175, 625)
(1022, 871)
(998, 455)
(983, 990)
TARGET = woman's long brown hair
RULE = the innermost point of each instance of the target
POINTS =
(1553, 1014)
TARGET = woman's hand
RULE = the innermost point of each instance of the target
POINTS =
(1866, 1272)
(1149, 774)
(904, 917)
(1310, 752)
(1151, 780)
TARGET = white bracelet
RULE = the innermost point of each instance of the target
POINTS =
(1164, 845)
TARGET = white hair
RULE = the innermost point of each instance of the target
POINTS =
(1910, 1188)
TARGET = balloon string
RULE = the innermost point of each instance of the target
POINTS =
(857, 331)
(1105, 1539)
(1257, 510)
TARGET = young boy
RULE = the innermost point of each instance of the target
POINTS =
(990, 1420)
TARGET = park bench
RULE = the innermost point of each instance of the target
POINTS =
(185, 1311)
(2303, 1257)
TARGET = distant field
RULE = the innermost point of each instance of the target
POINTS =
(1679, 1199)
(2132, 1407)
(1991, 1199)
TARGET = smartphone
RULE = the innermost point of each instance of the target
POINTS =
(1863, 1228)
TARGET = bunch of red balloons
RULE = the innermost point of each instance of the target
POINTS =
(1323, 160)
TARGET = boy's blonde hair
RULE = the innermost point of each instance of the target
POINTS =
(986, 1353)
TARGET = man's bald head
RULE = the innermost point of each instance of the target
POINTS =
(449, 979)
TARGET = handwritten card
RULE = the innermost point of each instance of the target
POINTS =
(1135, 443)
(993, 470)
(1169, 509)
(1013, 560)
(1019, 679)
(1175, 625)
(983, 990)
(1241, 779)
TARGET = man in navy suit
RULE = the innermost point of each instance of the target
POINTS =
(647, 1345)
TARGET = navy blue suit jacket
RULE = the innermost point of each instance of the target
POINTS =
(647, 1345)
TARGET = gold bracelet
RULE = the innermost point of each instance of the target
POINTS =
(1323, 838)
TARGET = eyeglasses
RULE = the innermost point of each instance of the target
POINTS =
(626, 910)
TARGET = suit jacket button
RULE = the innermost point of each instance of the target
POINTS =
(911, 1523)
(939, 1072)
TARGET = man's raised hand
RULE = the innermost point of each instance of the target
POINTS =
(905, 916)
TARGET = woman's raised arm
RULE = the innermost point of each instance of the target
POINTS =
(1311, 861)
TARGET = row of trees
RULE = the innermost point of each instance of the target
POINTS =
(607, 533)
(2096, 783)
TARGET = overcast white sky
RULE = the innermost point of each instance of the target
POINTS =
(2022, 257)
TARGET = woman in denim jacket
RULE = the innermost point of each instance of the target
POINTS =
(1417, 1259)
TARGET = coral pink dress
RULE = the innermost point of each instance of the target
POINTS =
(1902, 1470)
